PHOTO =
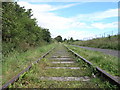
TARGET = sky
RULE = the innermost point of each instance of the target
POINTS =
(75, 19)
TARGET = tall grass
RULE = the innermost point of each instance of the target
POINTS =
(15, 62)
(110, 42)
(31, 79)
(105, 62)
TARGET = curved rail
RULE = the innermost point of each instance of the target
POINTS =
(5, 86)
(102, 72)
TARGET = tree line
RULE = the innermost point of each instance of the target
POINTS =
(19, 31)
(60, 39)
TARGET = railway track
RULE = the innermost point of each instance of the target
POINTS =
(62, 68)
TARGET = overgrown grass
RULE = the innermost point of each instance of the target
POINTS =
(106, 62)
(110, 42)
(31, 79)
(16, 62)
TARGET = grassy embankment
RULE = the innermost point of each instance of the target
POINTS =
(105, 62)
(110, 42)
(16, 62)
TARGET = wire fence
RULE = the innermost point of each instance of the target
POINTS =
(102, 35)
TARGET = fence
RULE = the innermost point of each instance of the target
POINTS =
(102, 35)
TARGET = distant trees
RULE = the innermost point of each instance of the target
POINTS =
(71, 39)
(58, 38)
(65, 40)
(19, 30)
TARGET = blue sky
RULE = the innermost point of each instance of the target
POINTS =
(84, 8)
(75, 19)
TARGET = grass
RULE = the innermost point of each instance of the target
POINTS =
(0, 73)
(16, 62)
(31, 79)
(111, 42)
(105, 62)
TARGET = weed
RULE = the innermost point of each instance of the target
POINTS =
(32, 78)
(16, 62)
(59, 56)
(106, 62)
(78, 60)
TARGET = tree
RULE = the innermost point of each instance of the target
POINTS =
(46, 35)
(71, 39)
(65, 40)
(58, 38)
(20, 31)
(77, 40)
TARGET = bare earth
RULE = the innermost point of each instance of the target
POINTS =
(105, 51)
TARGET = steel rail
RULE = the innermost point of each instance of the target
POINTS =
(11, 81)
(101, 72)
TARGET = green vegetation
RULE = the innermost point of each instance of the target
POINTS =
(31, 79)
(16, 61)
(105, 62)
(20, 31)
(69, 41)
(23, 41)
(110, 42)
(58, 38)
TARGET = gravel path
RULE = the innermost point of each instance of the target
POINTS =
(105, 51)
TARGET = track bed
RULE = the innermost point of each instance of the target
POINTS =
(61, 69)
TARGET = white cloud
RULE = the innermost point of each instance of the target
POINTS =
(105, 25)
(97, 15)
(80, 25)
(64, 6)
(50, 20)
(77, 34)
(44, 7)
(73, 26)
(106, 14)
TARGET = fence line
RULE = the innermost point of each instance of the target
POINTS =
(102, 35)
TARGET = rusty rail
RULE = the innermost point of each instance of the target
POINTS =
(6, 85)
(100, 71)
